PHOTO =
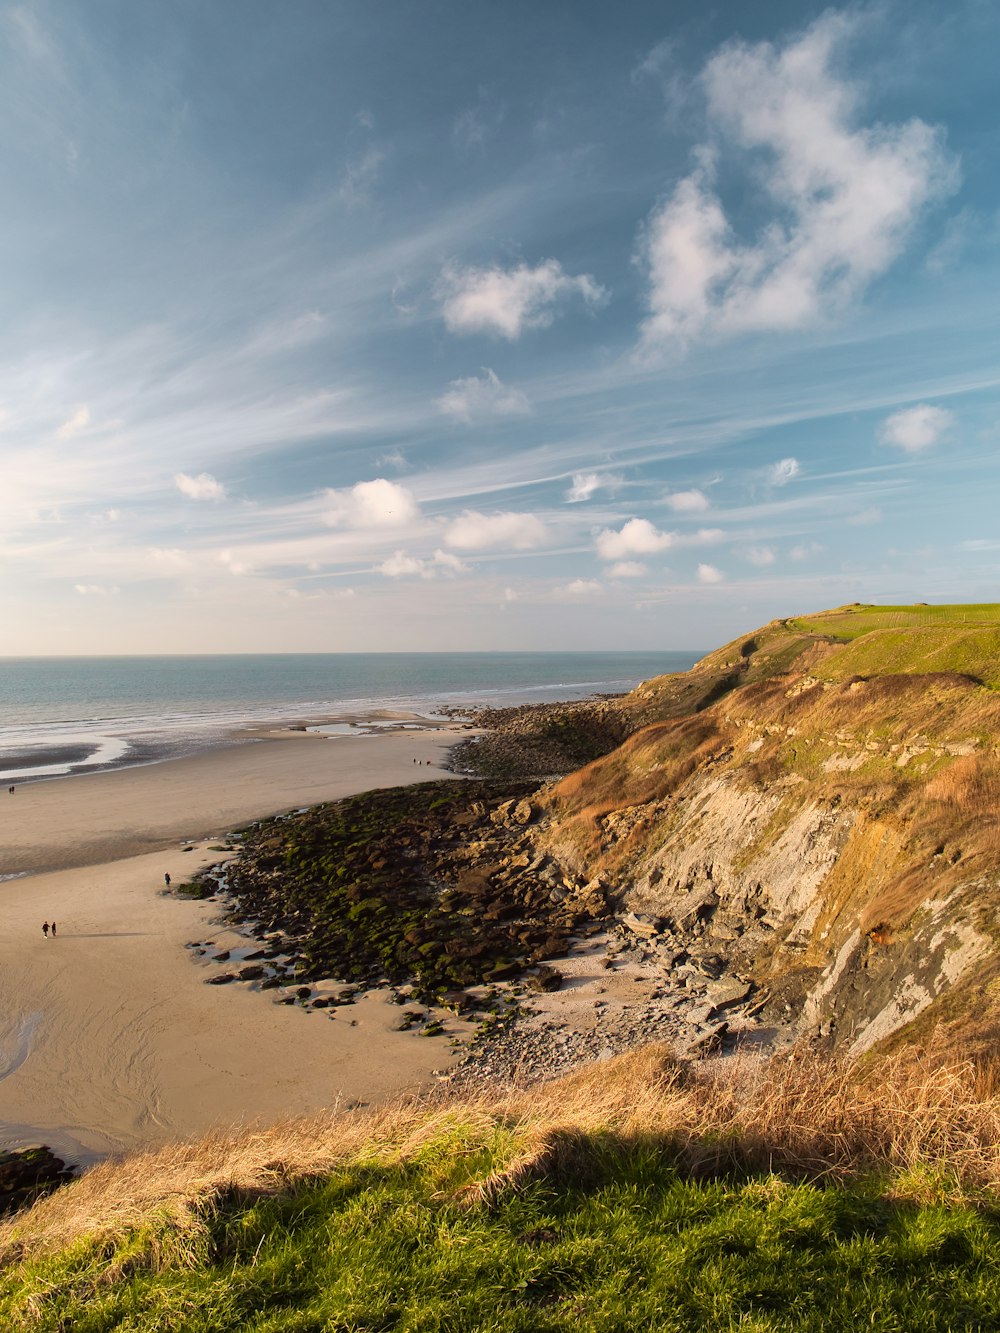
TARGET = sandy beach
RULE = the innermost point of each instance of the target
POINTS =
(109, 1038)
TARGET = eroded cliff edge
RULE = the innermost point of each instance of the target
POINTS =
(826, 837)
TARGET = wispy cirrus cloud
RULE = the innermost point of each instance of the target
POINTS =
(507, 302)
(842, 196)
(586, 484)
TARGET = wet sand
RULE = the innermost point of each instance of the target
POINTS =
(109, 1038)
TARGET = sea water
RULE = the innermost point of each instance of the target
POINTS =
(61, 716)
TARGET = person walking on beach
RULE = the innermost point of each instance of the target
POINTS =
(11, 789)
(166, 878)
(53, 929)
(45, 929)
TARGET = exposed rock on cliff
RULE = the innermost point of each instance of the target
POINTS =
(832, 841)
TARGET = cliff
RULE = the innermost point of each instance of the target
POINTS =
(812, 811)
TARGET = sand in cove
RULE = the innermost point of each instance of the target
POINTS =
(109, 1037)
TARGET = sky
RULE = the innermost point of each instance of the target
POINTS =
(489, 324)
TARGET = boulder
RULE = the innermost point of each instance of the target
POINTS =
(220, 979)
(546, 979)
(724, 994)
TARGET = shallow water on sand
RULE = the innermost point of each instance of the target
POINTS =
(63, 716)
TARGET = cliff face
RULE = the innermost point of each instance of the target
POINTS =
(832, 842)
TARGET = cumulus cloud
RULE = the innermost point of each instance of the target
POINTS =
(483, 396)
(580, 588)
(784, 471)
(402, 565)
(627, 569)
(93, 589)
(842, 195)
(639, 537)
(806, 550)
(687, 502)
(371, 504)
(202, 487)
(78, 422)
(709, 574)
(759, 555)
(916, 428)
(508, 301)
(586, 483)
(473, 531)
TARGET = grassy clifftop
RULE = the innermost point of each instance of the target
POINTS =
(643, 1193)
(854, 640)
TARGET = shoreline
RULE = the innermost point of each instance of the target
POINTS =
(109, 1040)
(89, 818)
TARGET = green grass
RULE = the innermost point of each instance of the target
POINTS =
(972, 652)
(850, 622)
(634, 1246)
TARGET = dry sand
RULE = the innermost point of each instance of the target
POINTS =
(109, 1038)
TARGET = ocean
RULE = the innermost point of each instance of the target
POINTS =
(63, 716)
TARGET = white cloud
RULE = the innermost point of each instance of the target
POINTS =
(916, 428)
(93, 590)
(759, 555)
(485, 396)
(509, 595)
(806, 550)
(842, 196)
(78, 422)
(372, 504)
(580, 588)
(586, 483)
(401, 565)
(784, 471)
(627, 569)
(639, 537)
(473, 531)
(202, 487)
(687, 502)
(450, 563)
(709, 574)
(506, 302)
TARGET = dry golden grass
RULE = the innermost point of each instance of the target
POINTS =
(796, 1114)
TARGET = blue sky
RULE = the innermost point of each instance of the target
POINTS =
(464, 325)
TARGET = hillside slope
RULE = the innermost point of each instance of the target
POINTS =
(813, 811)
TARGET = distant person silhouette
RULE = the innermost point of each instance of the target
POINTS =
(11, 789)
(45, 929)
(166, 880)
(53, 928)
